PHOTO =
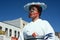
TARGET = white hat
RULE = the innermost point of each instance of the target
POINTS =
(43, 5)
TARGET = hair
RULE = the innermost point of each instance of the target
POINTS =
(39, 8)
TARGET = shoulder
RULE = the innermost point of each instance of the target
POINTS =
(46, 23)
(48, 26)
(43, 21)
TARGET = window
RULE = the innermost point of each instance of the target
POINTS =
(10, 31)
(6, 31)
(15, 33)
(23, 24)
(18, 34)
(0, 27)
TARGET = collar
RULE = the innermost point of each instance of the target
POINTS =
(37, 20)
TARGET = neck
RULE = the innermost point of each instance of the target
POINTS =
(34, 19)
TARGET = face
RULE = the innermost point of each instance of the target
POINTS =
(33, 13)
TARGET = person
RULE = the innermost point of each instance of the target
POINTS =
(37, 29)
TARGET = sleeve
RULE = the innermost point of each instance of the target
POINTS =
(49, 32)
(21, 36)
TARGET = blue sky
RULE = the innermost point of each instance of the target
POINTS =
(13, 9)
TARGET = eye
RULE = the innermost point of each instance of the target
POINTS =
(31, 10)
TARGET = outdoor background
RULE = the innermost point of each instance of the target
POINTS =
(14, 9)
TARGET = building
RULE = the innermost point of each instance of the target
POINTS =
(10, 30)
(57, 35)
(20, 23)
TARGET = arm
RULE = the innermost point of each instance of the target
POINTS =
(49, 36)
(49, 32)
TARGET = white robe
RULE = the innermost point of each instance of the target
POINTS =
(40, 27)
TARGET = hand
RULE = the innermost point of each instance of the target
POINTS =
(34, 34)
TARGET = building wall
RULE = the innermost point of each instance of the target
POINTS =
(13, 28)
(57, 35)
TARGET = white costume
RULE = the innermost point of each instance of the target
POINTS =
(40, 27)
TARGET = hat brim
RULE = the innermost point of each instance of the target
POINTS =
(43, 5)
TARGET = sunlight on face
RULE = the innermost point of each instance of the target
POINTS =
(33, 12)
